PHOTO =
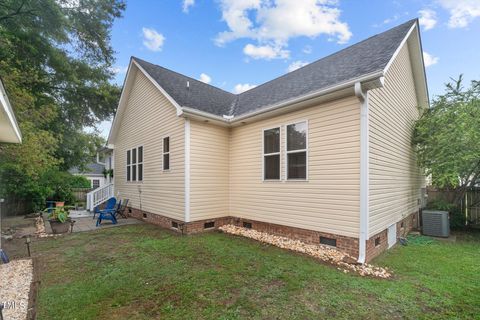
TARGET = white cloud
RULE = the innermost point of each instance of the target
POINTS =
(205, 78)
(273, 22)
(152, 39)
(265, 52)
(429, 60)
(307, 49)
(462, 12)
(187, 4)
(242, 87)
(296, 65)
(119, 69)
(428, 18)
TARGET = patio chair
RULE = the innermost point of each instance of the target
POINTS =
(108, 213)
(121, 209)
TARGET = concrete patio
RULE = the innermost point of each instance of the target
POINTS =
(84, 221)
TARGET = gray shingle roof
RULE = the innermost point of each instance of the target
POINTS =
(91, 168)
(198, 95)
(366, 57)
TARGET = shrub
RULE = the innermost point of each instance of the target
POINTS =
(457, 219)
(79, 182)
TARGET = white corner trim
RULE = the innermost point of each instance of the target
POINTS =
(364, 172)
(187, 170)
(155, 83)
(399, 48)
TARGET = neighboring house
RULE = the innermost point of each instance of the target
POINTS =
(321, 154)
(94, 172)
(9, 133)
(9, 130)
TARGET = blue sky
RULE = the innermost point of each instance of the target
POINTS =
(236, 44)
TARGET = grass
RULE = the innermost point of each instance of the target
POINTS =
(144, 272)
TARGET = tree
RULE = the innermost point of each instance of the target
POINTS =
(447, 138)
(55, 63)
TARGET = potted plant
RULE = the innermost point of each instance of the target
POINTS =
(59, 219)
(110, 173)
(105, 173)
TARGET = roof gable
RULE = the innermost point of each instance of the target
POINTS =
(363, 61)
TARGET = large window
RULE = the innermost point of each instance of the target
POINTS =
(166, 153)
(271, 154)
(135, 164)
(297, 150)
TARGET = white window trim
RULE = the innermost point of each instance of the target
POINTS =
(286, 152)
(279, 153)
(164, 153)
(136, 164)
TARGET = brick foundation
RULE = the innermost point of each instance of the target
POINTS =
(346, 244)
(404, 226)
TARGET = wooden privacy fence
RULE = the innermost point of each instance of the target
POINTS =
(80, 194)
(469, 205)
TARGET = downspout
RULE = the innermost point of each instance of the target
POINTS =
(364, 183)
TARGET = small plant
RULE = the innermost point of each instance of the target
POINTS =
(110, 173)
(59, 213)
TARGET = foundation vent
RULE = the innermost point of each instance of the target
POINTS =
(209, 225)
(247, 225)
(174, 224)
(328, 241)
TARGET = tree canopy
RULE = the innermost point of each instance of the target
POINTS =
(447, 138)
(55, 63)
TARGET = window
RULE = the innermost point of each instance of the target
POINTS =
(297, 151)
(129, 167)
(135, 164)
(271, 154)
(166, 153)
(95, 183)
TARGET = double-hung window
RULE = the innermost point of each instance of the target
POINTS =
(297, 151)
(166, 153)
(135, 164)
(271, 154)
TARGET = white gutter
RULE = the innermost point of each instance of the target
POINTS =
(364, 183)
(312, 95)
(188, 110)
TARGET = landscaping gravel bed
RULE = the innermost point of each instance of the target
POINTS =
(15, 279)
(324, 253)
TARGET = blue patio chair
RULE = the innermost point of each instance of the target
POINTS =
(108, 213)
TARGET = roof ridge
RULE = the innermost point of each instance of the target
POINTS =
(183, 75)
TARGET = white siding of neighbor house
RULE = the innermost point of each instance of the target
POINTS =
(395, 179)
(329, 200)
(149, 117)
(209, 169)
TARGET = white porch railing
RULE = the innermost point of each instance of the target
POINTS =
(99, 195)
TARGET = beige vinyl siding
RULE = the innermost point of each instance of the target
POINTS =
(395, 180)
(329, 200)
(209, 167)
(149, 117)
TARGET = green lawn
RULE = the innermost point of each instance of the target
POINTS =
(144, 272)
